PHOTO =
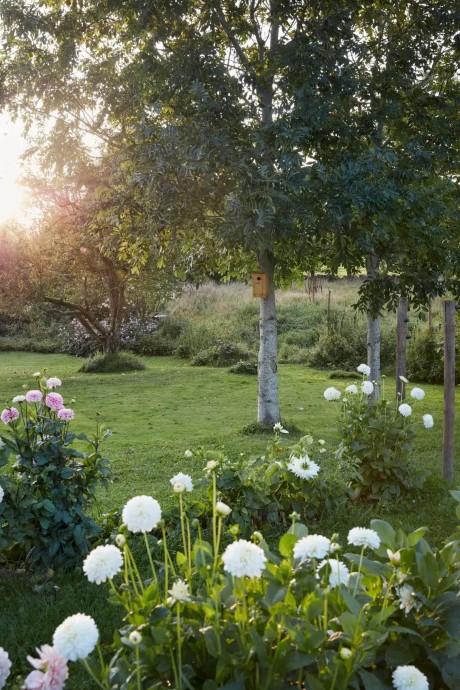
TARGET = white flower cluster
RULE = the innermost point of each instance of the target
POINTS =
(179, 592)
(5, 665)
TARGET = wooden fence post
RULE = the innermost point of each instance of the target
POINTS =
(449, 391)
(401, 348)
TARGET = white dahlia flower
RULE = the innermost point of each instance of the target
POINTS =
(184, 478)
(428, 421)
(243, 558)
(405, 410)
(332, 394)
(360, 536)
(351, 389)
(5, 665)
(141, 514)
(179, 591)
(76, 637)
(312, 546)
(103, 563)
(409, 678)
(417, 393)
(339, 573)
(367, 387)
(364, 369)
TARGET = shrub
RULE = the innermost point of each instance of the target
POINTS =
(223, 354)
(376, 442)
(342, 342)
(111, 363)
(162, 340)
(51, 484)
(242, 615)
(425, 359)
(243, 367)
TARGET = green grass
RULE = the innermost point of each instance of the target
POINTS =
(155, 415)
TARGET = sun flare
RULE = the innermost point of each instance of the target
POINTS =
(12, 200)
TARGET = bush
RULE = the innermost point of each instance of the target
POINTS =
(376, 443)
(425, 357)
(223, 354)
(344, 342)
(23, 344)
(163, 341)
(51, 484)
(112, 363)
(242, 367)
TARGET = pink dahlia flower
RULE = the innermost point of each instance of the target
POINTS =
(9, 415)
(53, 382)
(65, 413)
(51, 670)
(34, 396)
(54, 401)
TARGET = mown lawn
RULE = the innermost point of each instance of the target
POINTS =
(154, 416)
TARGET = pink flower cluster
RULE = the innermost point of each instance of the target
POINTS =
(9, 415)
(51, 670)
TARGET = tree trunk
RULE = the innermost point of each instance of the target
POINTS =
(268, 403)
(373, 334)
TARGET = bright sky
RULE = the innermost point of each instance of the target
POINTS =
(12, 195)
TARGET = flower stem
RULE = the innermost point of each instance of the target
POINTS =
(152, 565)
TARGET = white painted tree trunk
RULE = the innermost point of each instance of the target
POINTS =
(373, 334)
(268, 412)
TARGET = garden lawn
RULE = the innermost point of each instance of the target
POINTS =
(154, 416)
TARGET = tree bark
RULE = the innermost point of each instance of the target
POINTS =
(373, 333)
(267, 399)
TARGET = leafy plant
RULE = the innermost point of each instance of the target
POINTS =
(52, 482)
(267, 489)
(246, 616)
(243, 367)
(221, 355)
(377, 441)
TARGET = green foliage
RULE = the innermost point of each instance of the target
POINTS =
(375, 448)
(49, 487)
(263, 490)
(278, 617)
(341, 374)
(223, 354)
(342, 342)
(243, 367)
(425, 357)
(23, 344)
(102, 363)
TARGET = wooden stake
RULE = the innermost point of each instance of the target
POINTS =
(401, 348)
(449, 391)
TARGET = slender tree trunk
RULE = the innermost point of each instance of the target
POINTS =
(268, 403)
(268, 412)
(373, 333)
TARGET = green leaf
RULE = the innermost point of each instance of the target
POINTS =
(414, 537)
(286, 544)
(385, 532)
(370, 681)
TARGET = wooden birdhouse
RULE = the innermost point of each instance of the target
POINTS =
(260, 284)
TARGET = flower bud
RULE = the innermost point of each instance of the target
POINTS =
(234, 530)
(394, 557)
(188, 454)
(135, 638)
(211, 465)
(345, 653)
(179, 488)
(257, 537)
(295, 517)
(222, 509)
(120, 540)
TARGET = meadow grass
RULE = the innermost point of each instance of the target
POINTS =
(156, 414)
